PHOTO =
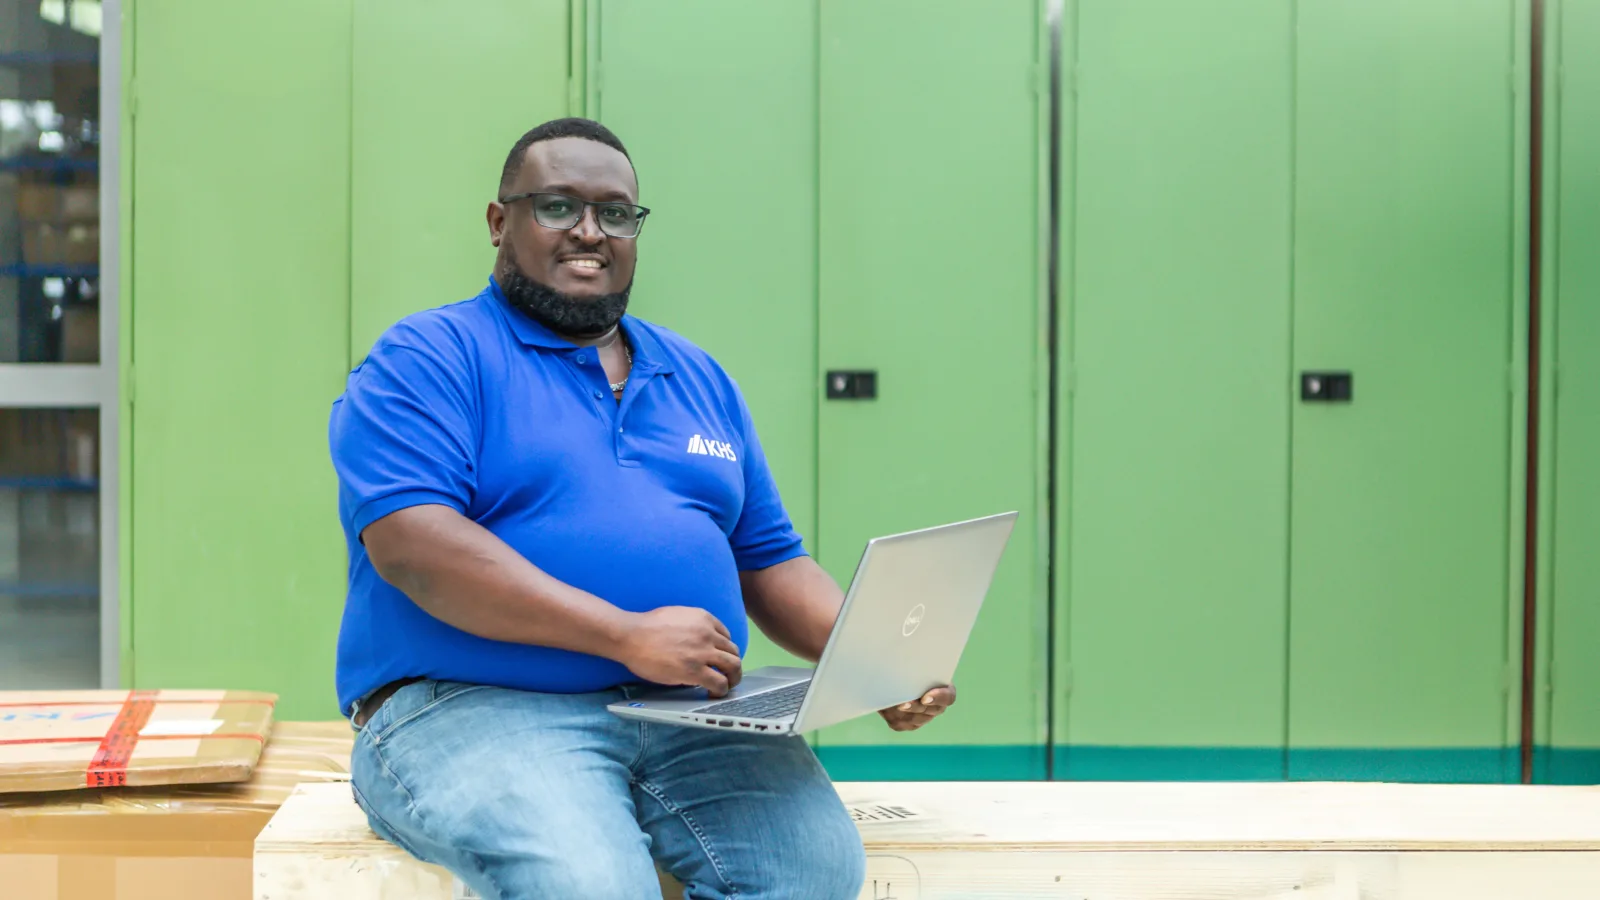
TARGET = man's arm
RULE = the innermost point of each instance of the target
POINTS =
(460, 573)
(795, 603)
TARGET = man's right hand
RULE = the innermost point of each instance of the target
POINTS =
(677, 645)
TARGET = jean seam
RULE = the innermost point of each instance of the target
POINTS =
(434, 701)
(699, 835)
(644, 745)
(411, 808)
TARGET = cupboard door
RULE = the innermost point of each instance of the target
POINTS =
(716, 102)
(931, 265)
(1173, 530)
(1571, 729)
(439, 93)
(1405, 275)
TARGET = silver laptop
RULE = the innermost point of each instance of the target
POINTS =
(904, 624)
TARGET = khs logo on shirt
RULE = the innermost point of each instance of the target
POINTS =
(699, 446)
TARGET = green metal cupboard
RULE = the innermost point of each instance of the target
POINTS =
(1265, 199)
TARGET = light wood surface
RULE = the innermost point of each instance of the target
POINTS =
(1096, 841)
(1067, 816)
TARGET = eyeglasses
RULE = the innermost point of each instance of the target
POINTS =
(620, 220)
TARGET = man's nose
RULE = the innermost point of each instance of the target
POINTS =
(588, 228)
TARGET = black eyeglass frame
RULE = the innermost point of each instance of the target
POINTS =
(583, 210)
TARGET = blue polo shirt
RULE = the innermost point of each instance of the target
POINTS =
(660, 500)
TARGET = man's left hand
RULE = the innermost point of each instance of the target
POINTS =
(917, 713)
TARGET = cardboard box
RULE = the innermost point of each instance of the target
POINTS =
(188, 842)
(62, 740)
(60, 243)
(80, 333)
(58, 202)
(46, 442)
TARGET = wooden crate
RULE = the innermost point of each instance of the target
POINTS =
(1279, 841)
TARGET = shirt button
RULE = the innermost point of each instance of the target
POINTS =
(582, 360)
(599, 396)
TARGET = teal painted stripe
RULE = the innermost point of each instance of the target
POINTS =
(1438, 765)
(1469, 765)
(1097, 763)
(1565, 765)
(933, 763)
(1446, 765)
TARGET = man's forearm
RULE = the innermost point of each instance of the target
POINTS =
(794, 603)
(460, 573)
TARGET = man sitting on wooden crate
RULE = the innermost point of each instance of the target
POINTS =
(533, 535)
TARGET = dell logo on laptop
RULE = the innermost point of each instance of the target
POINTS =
(913, 620)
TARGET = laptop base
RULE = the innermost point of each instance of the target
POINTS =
(694, 708)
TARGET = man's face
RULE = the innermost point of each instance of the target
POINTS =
(581, 262)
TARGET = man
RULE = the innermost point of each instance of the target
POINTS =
(530, 540)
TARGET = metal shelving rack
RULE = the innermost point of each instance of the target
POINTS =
(94, 385)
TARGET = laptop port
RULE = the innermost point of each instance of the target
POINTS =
(726, 723)
(744, 724)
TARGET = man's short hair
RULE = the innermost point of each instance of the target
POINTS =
(588, 129)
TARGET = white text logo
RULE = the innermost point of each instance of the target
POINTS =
(699, 446)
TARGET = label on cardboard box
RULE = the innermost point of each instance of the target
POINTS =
(181, 726)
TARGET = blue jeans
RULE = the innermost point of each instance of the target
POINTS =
(526, 796)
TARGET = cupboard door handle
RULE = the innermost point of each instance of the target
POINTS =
(860, 384)
(1327, 387)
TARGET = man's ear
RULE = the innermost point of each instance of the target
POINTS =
(495, 215)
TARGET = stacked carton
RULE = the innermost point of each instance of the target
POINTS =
(190, 777)
(60, 226)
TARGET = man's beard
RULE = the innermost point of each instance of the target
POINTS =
(562, 313)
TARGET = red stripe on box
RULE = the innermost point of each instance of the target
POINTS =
(109, 768)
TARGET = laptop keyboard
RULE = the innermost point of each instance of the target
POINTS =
(784, 701)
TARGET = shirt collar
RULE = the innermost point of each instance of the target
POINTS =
(647, 350)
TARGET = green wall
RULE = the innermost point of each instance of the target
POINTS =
(1569, 724)
(1245, 585)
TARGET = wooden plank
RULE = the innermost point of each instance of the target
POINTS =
(1276, 816)
(1132, 842)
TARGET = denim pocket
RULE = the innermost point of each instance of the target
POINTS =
(412, 702)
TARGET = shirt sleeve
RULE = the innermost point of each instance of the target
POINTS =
(403, 434)
(764, 536)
